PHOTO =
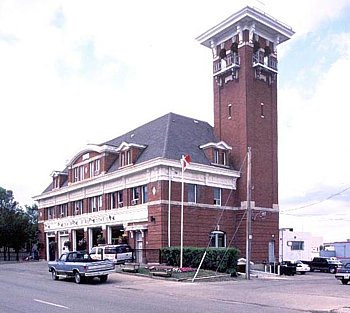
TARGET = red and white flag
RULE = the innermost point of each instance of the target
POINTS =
(185, 161)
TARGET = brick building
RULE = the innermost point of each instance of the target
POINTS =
(130, 188)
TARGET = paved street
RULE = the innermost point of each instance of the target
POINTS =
(27, 287)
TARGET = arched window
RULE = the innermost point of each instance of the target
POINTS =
(217, 239)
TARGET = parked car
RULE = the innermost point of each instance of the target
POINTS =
(81, 266)
(118, 254)
(343, 274)
(330, 265)
(302, 268)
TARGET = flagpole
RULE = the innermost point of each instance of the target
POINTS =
(182, 216)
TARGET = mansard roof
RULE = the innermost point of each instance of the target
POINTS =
(170, 137)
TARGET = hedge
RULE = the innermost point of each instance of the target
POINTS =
(216, 259)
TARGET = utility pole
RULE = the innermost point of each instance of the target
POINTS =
(249, 218)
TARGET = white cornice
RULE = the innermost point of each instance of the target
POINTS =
(125, 146)
(218, 145)
(94, 148)
(212, 176)
(265, 25)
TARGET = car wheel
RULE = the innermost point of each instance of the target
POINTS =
(77, 278)
(302, 273)
(103, 278)
(332, 270)
(54, 274)
(344, 281)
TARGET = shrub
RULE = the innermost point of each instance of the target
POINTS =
(216, 259)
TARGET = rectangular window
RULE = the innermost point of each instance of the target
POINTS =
(78, 207)
(120, 199)
(56, 182)
(113, 200)
(99, 203)
(97, 167)
(144, 194)
(135, 195)
(220, 157)
(51, 213)
(81, 172)
(95, 204)
(63, 210)
(125, 158)
(217, 196)
(91, 169)
(297, 245)
(192, 193)
(216, 156)
(76, 174)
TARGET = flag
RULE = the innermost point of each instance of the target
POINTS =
(185, 161)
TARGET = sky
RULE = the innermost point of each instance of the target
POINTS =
(76, 72)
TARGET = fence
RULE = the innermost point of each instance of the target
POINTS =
(12, 255)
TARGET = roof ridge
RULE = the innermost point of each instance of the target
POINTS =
(166, 142)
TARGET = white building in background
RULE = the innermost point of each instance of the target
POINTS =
(298, 245)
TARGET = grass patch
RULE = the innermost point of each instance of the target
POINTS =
(183, 276)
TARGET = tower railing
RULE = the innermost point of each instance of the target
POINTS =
(268, 62)
(230, 61)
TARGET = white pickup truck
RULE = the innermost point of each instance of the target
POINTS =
(118, 254)
(80, 266)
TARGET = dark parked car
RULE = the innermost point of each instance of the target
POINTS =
(288, 268)
(343, 274)
(330, 265)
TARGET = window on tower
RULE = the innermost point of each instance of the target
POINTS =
(229, 111)
(262, 110)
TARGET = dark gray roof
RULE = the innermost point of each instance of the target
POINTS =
(170, 136)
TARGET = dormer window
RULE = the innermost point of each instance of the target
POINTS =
(217, 153)
(56, 182)
(220, 157)
(78, 173)
(125, 158)
(94, 168)
(58, 179)
(129, 152)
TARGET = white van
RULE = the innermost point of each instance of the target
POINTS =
(118, 254)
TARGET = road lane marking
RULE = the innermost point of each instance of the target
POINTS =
(53, 304)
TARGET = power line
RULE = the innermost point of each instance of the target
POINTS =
(318, 202)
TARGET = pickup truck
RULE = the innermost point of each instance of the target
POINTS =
(343, 274)
(80, 266)
(330, 265)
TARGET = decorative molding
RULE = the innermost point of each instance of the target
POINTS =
(98, 219)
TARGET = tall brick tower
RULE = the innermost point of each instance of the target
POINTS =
(244, 48)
